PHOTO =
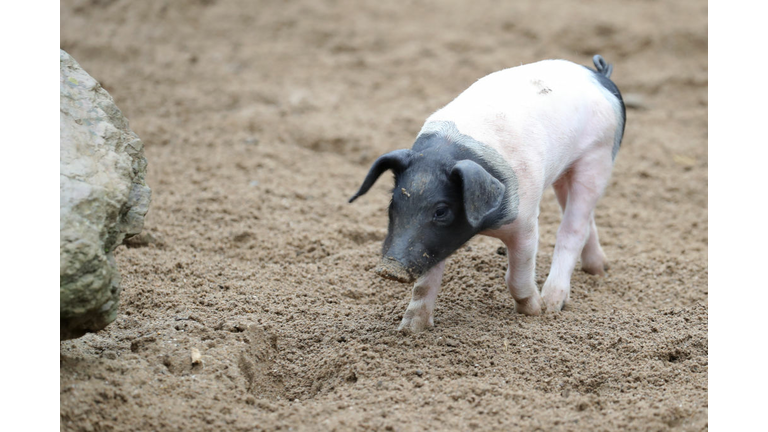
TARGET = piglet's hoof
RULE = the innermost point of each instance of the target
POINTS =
(530, 306)
(416, 321)
(555, 300)
(595, 264)
(595, 268)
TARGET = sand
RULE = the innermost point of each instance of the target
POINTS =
(249, 303)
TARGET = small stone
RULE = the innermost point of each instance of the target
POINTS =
(452, 342)
(683, 160)
(501, 251)
(419, 372)
(196, 357)
(634, 100)
(110, 355)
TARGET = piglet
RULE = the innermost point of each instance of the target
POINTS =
(480, 166)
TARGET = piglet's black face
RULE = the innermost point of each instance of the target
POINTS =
(427, 221)
(438, 204)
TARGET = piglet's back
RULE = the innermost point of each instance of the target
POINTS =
(554, 106)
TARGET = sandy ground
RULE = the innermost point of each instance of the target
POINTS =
(261, 118)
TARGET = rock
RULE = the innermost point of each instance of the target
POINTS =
(103, 199)
(634, 101)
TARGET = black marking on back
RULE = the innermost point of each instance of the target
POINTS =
(602, 74)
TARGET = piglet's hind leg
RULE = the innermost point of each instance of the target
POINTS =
(593, 260)
(587, 180)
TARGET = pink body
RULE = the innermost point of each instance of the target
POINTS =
(555, 125)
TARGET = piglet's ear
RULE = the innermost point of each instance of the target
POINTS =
(397, 161)
(482, 192)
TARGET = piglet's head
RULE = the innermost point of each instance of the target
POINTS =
(438, 204)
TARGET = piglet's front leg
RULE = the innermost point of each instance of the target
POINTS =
(420, 313)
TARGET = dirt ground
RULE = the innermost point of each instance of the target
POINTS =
(260, 120)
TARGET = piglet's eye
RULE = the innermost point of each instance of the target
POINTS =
(442, 213)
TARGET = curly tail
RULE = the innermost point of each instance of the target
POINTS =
(603, 67)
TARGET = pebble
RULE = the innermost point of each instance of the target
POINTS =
(634, 100)
(196, 357)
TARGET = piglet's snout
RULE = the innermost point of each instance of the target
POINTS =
(389, 268)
